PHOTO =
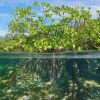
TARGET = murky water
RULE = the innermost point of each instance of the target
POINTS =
(50, 76)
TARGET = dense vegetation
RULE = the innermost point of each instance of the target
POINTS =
(55, 77)
(55, 28)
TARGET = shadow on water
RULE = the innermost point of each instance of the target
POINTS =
(56, 76)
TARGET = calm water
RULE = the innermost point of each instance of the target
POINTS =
(50, 76)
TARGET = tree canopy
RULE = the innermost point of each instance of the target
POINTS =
(54, 28)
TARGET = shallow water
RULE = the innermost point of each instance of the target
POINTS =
(50, 76)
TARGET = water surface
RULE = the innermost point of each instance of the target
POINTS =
(50, 76)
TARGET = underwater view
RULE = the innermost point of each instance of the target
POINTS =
(50, 76)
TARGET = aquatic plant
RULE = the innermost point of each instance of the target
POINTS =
(73, 29)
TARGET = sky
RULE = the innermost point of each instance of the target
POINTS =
(7, 7)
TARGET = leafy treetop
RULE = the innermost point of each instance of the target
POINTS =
(55, 28)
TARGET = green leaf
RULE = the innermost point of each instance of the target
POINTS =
(35, 3)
